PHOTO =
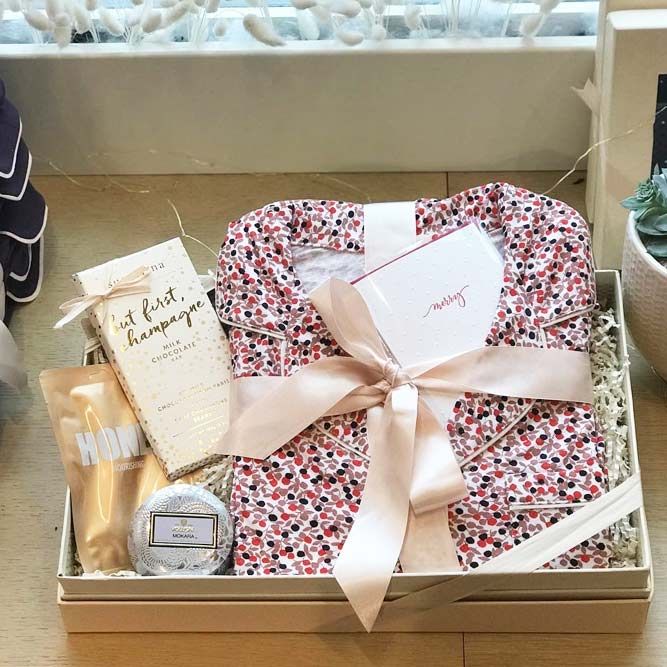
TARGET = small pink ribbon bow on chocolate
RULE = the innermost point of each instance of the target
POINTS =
(413, 474)
(135, 282)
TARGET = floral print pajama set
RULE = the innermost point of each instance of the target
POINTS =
(527, 463)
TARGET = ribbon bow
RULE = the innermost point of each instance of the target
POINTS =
(412, 473)
(135, 282)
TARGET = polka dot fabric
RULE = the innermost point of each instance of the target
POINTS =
(527, 463)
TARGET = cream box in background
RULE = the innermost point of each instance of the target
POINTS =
(630, 58)
(169, 351)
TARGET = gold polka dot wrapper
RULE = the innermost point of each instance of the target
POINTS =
(169, 352)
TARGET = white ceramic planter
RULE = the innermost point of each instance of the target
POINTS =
(645, 299)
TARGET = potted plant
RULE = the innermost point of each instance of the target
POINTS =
(645, 269)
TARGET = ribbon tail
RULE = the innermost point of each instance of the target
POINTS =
(369, 556)
(528, 372)
(437, 481)
(73, 308)
(349, 320)
(293, 404)
(135, 282)
(429, 545)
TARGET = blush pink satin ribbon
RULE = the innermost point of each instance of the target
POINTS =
(413, 474)
(135, 282)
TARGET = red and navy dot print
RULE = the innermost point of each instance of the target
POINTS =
(527, 463)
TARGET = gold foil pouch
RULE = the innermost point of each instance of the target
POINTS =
(109, 466)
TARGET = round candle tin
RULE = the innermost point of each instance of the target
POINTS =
(181, 530)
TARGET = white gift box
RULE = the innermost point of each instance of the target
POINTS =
(605, 8)
(594, 600)
(632, 52)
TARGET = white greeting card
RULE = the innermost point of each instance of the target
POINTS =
(436, 300)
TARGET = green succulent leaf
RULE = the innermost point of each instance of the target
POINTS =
(657, 248)
(648, 228)
(648, 194)
(660, 222)
(647, 212)
(631, 203)
(650, 212)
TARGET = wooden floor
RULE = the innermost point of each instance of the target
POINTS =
(96, 219)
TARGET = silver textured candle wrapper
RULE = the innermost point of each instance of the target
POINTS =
(180, 560)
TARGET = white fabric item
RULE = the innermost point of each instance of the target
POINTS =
(314, 266)
(207, 281)
(11, 361)
(498, 239)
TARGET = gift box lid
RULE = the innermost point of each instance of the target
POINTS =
(632, 582)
